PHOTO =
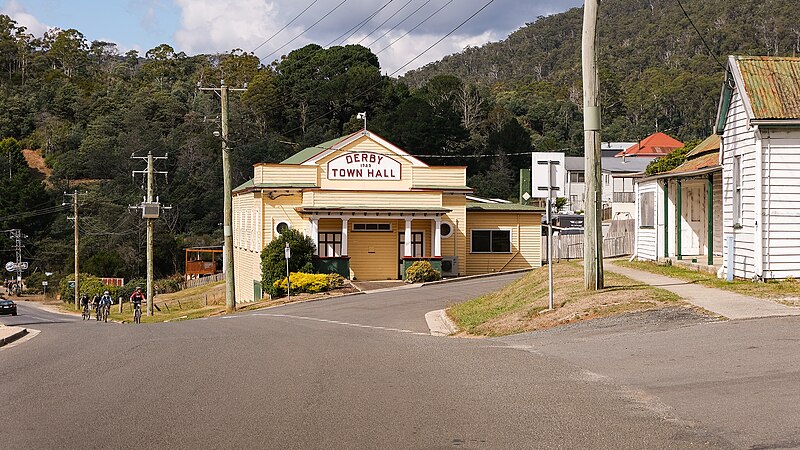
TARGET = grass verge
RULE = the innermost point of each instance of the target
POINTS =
(521, 306)
(773, 289)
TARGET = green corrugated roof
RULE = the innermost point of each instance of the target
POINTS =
(250, 184)
(441, 188)
(309, 152)
(502, 207)
(773, 85)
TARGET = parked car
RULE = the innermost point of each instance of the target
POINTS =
(8, 307)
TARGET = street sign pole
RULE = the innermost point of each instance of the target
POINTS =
(287, 253)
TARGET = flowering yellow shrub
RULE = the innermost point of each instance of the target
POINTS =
(304, 282)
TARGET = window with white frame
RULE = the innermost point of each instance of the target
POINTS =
(647, 210)
(330, 244)
(737, 190)
(490, 241)
(369, 226)
(576, 177)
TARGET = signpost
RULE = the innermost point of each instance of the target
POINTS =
(11, 266)
(548, 176)
(287, 253)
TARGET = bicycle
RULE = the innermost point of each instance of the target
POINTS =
(105, 313)
(97, 312)
(137, 313)
(86, 313)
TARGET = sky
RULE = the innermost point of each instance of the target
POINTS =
(396, 30)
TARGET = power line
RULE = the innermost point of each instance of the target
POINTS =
(390, 18)
(445, 36)
(359, 25)
(306, 30)
(369, 88)
(701, 37)
(409, 31)
(285, 26)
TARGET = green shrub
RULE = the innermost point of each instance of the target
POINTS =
(303, 282)
(421, 272)
(273, 264)
(335, 281)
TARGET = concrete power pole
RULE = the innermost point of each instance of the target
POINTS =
(593, 228)
(227, 220)
(151, 210)
(74, 219)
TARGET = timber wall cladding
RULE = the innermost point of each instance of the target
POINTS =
(781, 202)
(739, 140)
(525, 242)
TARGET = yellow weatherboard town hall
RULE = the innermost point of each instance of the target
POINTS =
(373, 209)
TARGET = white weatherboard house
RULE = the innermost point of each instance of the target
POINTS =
(759, 120)
(754, 184)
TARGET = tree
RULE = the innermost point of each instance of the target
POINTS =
(273, 262)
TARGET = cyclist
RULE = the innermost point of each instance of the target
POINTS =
(85, 305)
(105, 303)
(96, 305)
(137, 298)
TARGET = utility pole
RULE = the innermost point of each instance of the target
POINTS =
(74, 219)
(227, 214)
(151, 210)
(17, 236)
(593, 230)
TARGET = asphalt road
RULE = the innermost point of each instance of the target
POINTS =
(341, 373)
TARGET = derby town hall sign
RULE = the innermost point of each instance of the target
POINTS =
(363, 166)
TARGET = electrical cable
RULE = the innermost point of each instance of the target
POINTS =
(409, 31)
(359, 25)
(305, 30)
(369, 88)
(285, 26)
(701, 37)
(388, 19)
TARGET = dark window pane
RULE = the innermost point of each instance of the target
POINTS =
(481, 241)
(446, 230)
(501, 241)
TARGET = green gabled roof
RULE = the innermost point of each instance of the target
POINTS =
(309, 152)
(250, 184)
(502, 207)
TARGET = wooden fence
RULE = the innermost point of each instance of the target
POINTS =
(618, 241)
(203, 280)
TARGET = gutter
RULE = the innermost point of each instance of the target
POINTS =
(692, 173)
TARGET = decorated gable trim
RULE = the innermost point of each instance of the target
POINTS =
(379, 140)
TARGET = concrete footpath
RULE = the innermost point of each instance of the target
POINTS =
(11, 334)
(725, 303)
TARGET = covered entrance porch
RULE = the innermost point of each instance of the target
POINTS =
(370, 243)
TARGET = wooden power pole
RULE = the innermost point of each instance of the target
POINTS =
(227, 215)
(593, 227)
(74, 219)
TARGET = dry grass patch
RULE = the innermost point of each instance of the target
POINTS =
(787, 290)
(521, 306)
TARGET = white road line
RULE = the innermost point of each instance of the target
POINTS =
(348, 324)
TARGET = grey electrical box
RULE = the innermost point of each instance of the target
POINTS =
(151, 210)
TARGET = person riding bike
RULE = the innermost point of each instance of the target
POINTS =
(137, 297)
(106, 301)
(96, 305)
(85, 303)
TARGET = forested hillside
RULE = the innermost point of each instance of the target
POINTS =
(86, 108)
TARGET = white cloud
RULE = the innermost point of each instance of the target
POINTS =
(219, 26)
(16, 11)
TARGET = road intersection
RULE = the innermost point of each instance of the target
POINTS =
(362, 371)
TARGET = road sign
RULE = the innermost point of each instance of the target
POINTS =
(44, 283)
(287, 252)
(23, 265)
(11, 266)
(548, 174)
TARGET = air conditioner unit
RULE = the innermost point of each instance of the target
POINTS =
(450, 266)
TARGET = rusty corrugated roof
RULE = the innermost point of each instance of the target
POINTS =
(773, 85)
(701, 162)
(710, 143)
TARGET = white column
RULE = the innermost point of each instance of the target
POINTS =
(437, 240)
(407, 236)
(344, 235)
(314, 230)
(433, 237)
